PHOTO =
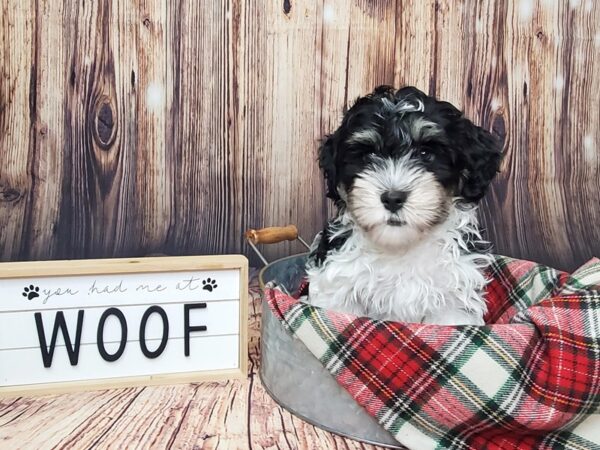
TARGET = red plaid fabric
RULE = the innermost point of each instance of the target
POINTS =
(530, 379)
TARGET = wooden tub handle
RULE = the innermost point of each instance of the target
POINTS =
(272, 235)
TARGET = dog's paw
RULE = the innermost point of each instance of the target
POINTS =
(209, 285)
(31, 292)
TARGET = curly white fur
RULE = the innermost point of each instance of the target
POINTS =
(435, 280)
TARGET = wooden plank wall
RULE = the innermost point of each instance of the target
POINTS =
(134, 127)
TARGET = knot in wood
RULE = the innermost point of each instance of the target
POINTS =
(287, 7)
(9, 194)
(105, 129)
(499, 126)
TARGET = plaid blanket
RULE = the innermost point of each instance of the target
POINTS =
(530, 379)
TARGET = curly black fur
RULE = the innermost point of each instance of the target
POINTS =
(464, 157)
(327, 242)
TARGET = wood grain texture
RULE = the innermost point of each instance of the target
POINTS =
(150, 101)
(129, 128)
(552, 196)
(224, 415)
(281, 175)
(205, 213)
(17, 126)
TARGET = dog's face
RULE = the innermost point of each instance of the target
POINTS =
(398, 161)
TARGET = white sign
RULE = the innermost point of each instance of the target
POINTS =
(99, 323)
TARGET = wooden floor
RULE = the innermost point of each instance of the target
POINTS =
(221, 415)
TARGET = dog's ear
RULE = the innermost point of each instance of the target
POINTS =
(327, 159)
(481, 155)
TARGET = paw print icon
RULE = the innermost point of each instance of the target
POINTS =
(31, 292)
(209, 284)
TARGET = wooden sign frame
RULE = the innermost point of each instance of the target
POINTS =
(24, 272)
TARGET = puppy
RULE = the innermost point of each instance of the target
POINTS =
(405, 172)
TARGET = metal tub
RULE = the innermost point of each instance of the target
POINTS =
(296, 379)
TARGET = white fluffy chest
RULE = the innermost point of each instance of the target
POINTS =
(433, 282)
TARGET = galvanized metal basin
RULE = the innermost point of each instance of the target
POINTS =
(297, 380)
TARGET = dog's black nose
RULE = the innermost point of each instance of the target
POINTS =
(393, 200)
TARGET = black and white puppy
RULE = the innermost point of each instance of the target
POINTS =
(406, 172)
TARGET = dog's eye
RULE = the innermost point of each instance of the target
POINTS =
(425, 155)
